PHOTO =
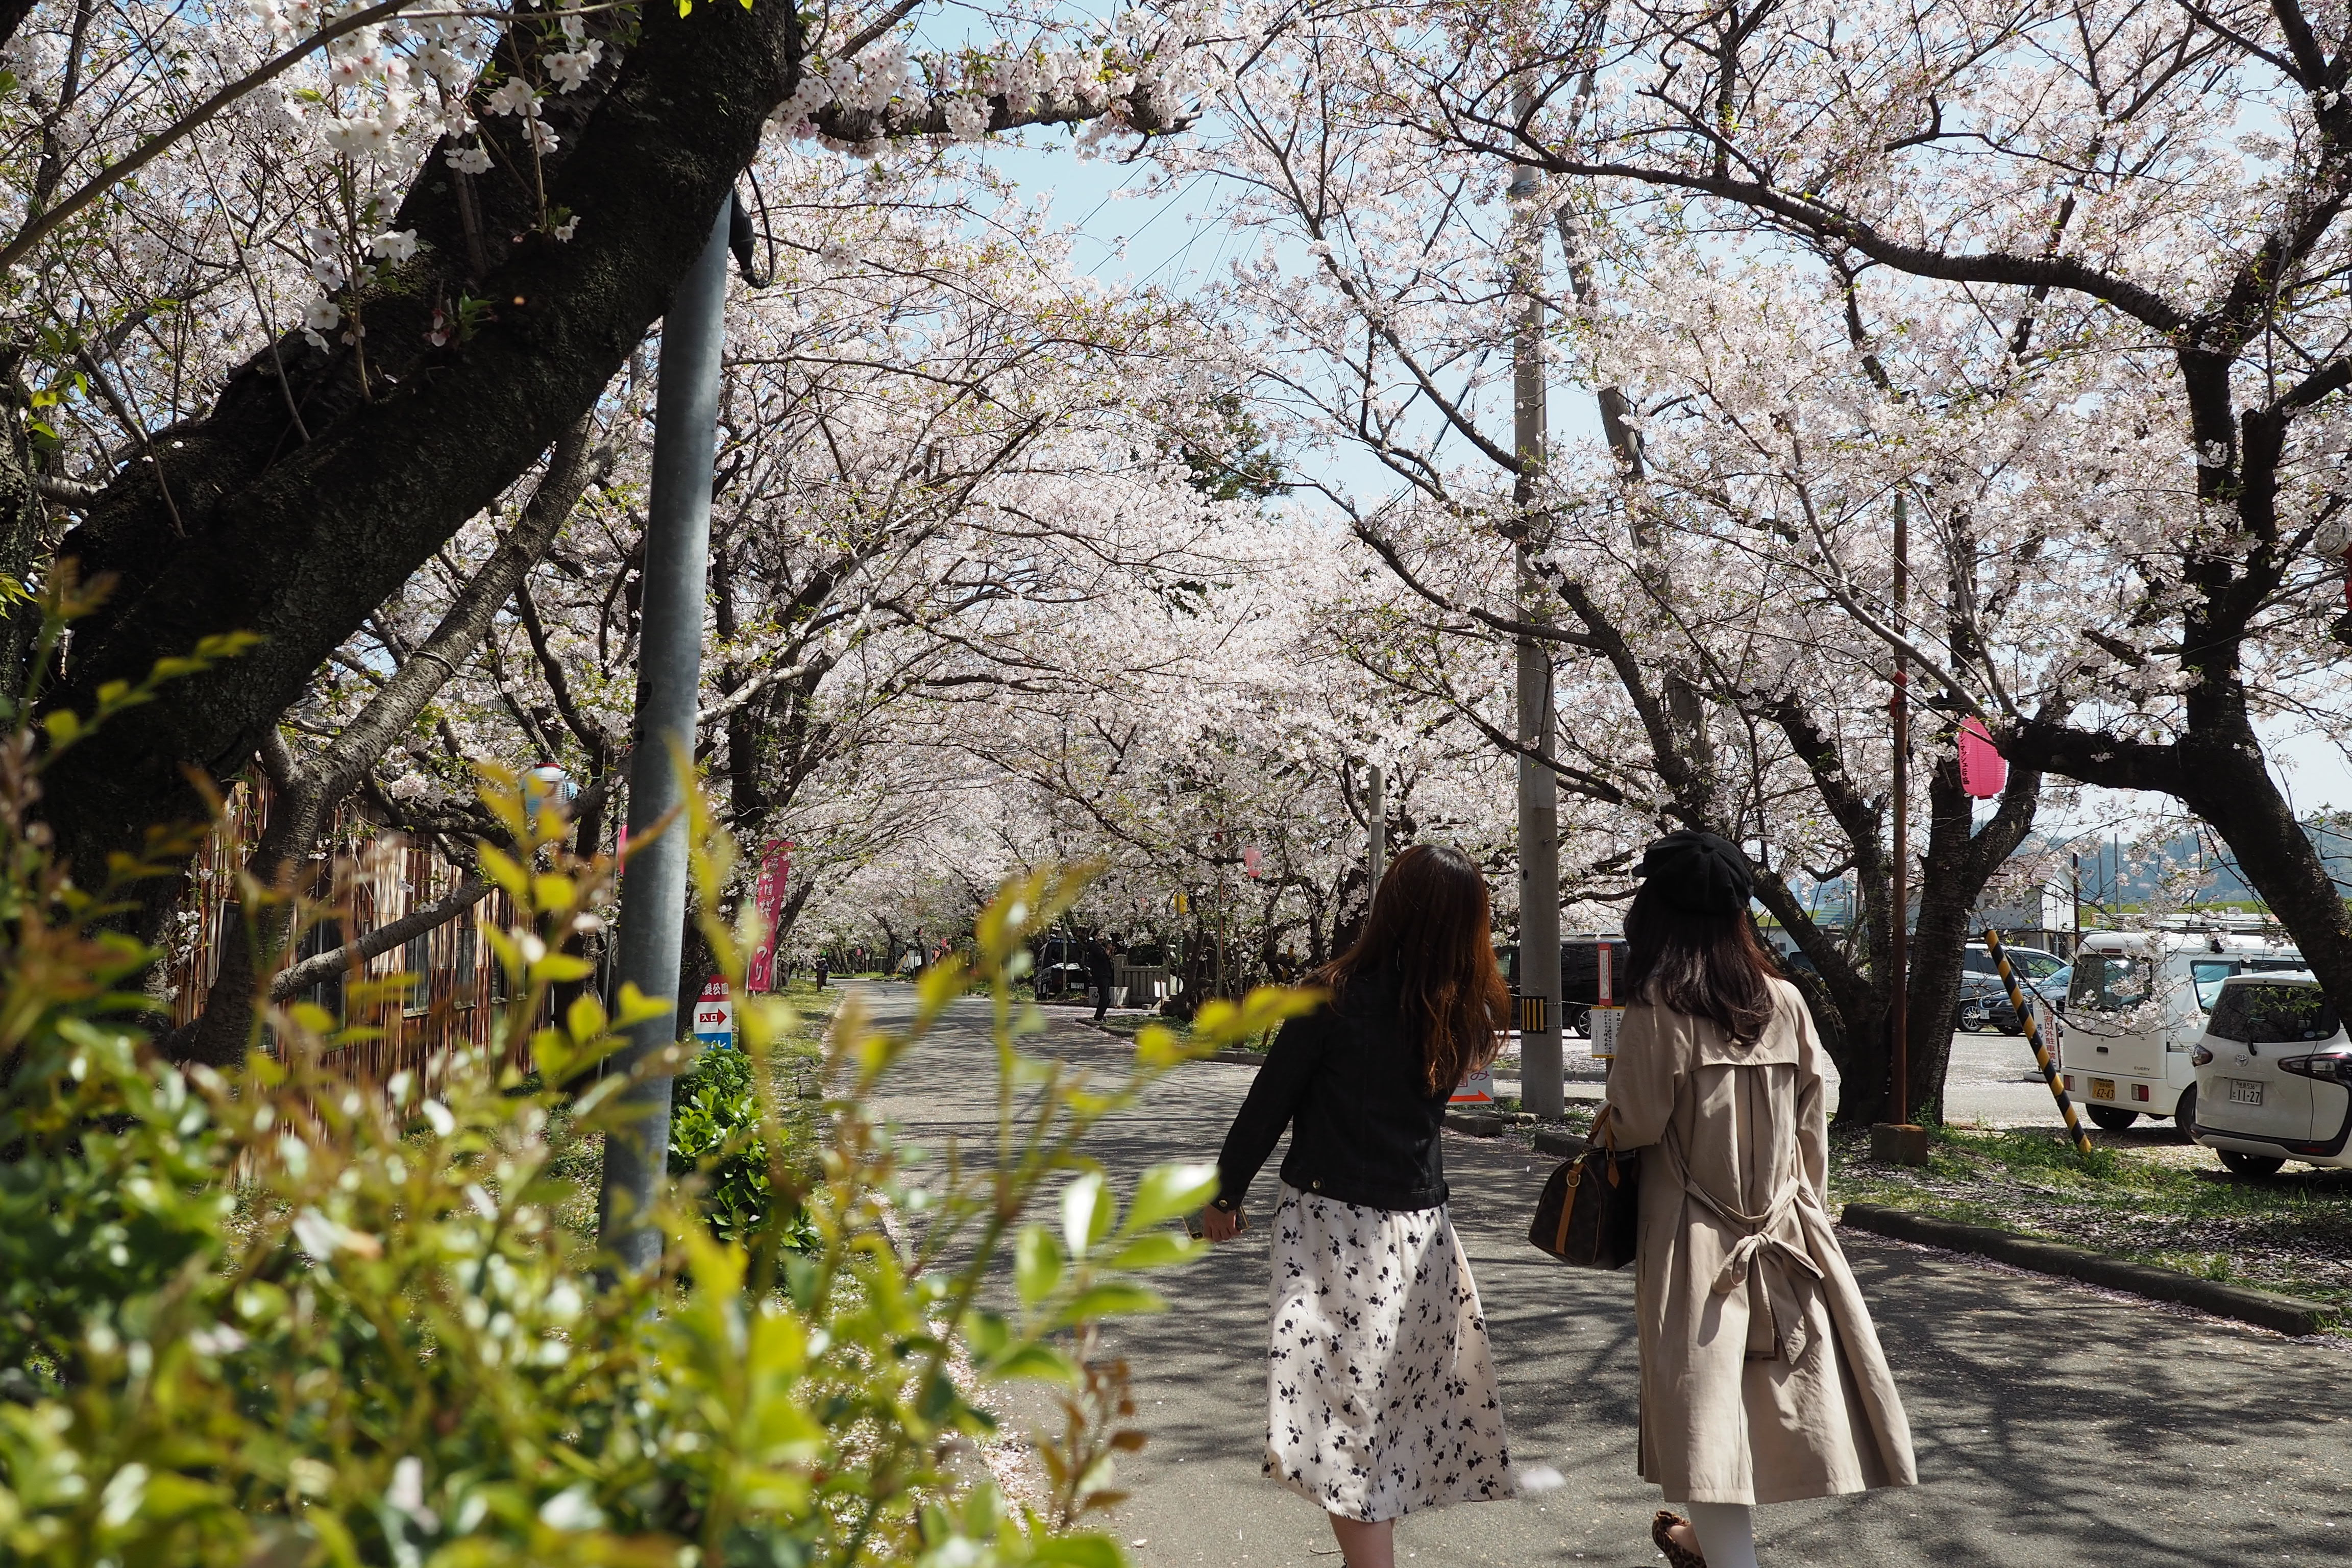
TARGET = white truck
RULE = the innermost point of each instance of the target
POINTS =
(2136, 1008)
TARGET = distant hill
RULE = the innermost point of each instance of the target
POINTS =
(2116, 877)
(2121, 876)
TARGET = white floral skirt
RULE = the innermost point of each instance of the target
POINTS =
(1381, 1395)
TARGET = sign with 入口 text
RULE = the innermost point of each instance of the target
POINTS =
(714, 1014)
(1478, 1088)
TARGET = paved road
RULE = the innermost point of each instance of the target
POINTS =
(2054, 1426)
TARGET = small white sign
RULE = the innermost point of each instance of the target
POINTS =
(1478, 1088)
(714, 1016)
(1602, 1028)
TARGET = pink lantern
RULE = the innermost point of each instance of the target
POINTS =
(1984, 771)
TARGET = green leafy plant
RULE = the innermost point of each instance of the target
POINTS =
(715, 1138)
(282, 1317)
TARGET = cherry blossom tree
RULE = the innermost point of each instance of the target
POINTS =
(1706, 676)
(417, 249)
(949, 464)
(2105, 239)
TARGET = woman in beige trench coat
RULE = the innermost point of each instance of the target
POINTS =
(1761, 1376)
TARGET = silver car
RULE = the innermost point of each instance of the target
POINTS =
(2273, 1075)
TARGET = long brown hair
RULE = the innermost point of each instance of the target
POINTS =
(1431, 922)
(1707, 965)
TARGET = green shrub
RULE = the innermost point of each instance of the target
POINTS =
(276, 1319)
(716, 1138)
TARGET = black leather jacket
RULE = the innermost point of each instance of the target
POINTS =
(1348, 1081)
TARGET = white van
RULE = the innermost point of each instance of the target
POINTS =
(2135, 1009)
(2274, 1075)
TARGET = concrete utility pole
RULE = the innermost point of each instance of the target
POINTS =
(1542, 1088)
(1376, 813)
(669, 679)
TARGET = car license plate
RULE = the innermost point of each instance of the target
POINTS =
(2245, 1092)
(2103, 1089)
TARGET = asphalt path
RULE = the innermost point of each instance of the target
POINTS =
(2054, 1425)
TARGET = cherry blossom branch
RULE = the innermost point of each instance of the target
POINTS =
(323, 966)
(1385, 548)
(1819, 219)
(113, 174)
(876, 29)
(753, 688)
(1833, 580)
(66, 492)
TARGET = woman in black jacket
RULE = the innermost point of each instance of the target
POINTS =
(1381, 1395)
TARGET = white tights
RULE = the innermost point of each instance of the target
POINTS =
(1726, 1533)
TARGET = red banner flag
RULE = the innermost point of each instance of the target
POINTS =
(768, 898)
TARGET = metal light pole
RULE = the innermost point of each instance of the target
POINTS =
(1377, 814)
(1543, 1087)
(670, 676)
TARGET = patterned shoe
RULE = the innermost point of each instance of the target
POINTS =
(1676, 1557)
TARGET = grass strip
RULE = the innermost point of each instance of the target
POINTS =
(2138, 1198)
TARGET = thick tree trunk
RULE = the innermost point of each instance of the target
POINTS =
(294, 510)
(696, 964)
(1960, 862)
(1848, 991)
(1845, 993)
(309, 790)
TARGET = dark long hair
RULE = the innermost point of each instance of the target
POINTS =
(1431, 922)
(1709, 966)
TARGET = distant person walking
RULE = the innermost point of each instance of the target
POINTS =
(1102, 968)
(1380, 1393)
(1762, 1380)
(823, 967)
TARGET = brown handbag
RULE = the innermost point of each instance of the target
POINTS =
(1590, 1213)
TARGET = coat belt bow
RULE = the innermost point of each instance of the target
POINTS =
(1777, 1273)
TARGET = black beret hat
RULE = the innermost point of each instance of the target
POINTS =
(1698, 872)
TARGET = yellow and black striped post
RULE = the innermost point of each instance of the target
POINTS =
(2033, 1037)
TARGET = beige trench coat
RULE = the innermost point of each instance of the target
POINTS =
(1761, 1376)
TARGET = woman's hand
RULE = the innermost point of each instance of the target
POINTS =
(1221, 1224)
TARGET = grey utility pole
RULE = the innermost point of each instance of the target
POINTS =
(669, 680)
(1376, 815)
(1542, 1088)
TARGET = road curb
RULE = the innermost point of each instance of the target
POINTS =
(2265, 1308)
(1475, 1123)
(1559, 1141)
